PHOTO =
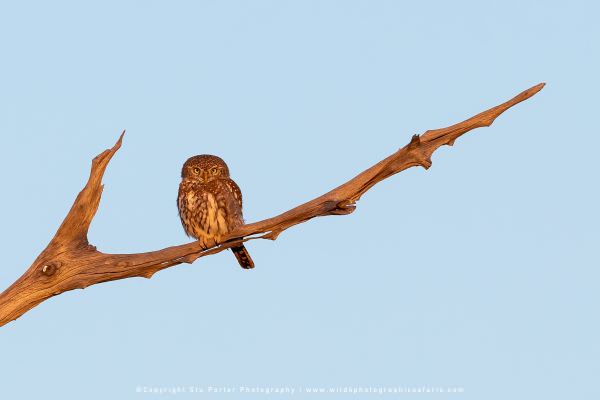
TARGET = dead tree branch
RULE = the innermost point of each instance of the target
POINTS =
(70, 262)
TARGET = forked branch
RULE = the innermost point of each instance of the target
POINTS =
(70, 262)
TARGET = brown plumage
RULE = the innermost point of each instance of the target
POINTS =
(210, 203)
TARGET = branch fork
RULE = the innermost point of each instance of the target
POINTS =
(71, 262)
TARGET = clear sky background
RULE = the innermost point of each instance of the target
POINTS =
(481, 273)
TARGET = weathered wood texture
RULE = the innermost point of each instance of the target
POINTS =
(70, 262)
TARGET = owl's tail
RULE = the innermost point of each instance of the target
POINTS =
(243, 257)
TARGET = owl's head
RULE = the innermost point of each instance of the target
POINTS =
(204, 168)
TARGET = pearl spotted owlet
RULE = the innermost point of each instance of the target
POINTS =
(210, 203)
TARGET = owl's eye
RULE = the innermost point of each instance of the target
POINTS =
(214, 170)
(196, 170)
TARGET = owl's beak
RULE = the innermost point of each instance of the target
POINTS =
(204, 175)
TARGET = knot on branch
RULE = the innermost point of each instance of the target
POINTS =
(416, 149)
(344, 207)
(49, 268)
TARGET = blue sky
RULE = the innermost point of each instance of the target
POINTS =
(480, 273)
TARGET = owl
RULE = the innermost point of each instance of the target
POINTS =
(210, 203)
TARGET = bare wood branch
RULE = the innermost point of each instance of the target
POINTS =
(70, 262)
